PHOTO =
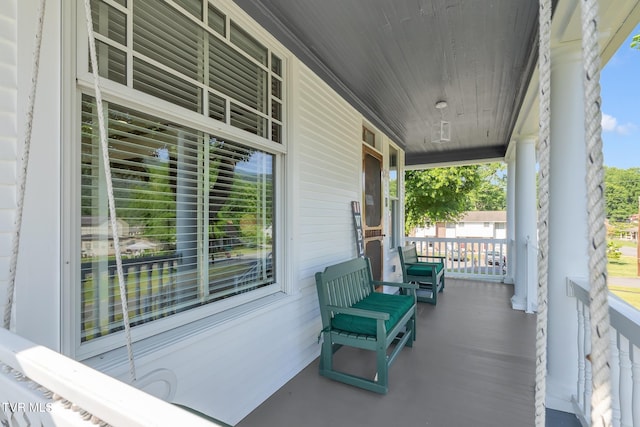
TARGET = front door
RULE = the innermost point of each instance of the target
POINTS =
(373, 210)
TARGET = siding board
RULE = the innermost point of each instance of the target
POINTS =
(8, 133)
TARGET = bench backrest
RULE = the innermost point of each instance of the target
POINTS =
(408, 254)
(343, 285)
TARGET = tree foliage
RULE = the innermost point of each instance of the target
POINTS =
(622, 189)
(491, 193)
(445, 194)
(635, 42)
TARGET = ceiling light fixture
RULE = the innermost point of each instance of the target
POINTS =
(441, 104)
(441, 131)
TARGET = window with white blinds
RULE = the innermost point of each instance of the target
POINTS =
(191, 54)
(195, 218)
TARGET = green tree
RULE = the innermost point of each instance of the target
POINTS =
(622, 188)
(635, 42)
(491, 193)
(441, 194)
(445, 194)
(152, 203)
(613, 250)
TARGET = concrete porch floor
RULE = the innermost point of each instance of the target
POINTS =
(472, 365)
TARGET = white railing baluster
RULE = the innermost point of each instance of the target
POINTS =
(466, 257)
(635, 372)
(615, 378)
(588, 378)
(626, 384)
(581, 357)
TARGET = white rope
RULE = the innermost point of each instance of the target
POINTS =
(22, 182)
(598, 291)
(543, 155)
(110, 197)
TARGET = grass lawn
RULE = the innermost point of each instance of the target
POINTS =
(624, 267)
(630, 295)
(629, 243)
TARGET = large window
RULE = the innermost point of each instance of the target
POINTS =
(192, 231)
(195, 209)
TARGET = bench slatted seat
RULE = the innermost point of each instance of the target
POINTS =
(354, 314)
(427, 274)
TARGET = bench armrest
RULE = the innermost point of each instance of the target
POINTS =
(396, 284)
(438, 257)
(358, 312)
(409, 264)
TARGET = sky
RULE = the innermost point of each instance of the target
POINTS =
(620, 92)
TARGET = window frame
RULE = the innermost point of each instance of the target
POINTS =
(130, 98)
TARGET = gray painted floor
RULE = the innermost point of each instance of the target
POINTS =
(472, 365)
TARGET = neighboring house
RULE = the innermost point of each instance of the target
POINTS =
(102, 227)
(474, 224)
(629, 234)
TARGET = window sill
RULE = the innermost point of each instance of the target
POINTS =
(115, 362)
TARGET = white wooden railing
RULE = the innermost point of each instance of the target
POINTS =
(39, 387)
(478, 258)
(625, 358)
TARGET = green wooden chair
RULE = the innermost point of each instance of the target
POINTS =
(353, 314)
(427, 274)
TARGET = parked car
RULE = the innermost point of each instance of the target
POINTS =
(494, 258)
(457, 255)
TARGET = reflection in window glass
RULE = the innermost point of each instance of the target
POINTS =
(173, 261)
(372, 191)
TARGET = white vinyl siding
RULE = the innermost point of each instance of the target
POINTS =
(8, 135)
(328, 155)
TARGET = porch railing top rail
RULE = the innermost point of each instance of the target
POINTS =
(98, 395)
(623, 317)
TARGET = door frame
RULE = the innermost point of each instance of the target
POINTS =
(373, 233)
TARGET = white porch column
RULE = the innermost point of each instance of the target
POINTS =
(526, 271)
(568, 254)
(511, 218)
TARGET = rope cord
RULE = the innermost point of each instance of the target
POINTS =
(598, 291)
(543, 154)
(110, 196)
(22, 182)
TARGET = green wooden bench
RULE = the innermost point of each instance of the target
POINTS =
(353, 314)
(427, 274)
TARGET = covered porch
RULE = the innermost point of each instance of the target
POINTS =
(472, 364)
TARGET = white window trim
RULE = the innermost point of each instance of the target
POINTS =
(80, 81)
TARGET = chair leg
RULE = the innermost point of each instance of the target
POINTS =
(382, 365)
(326, 354)
(412, 324)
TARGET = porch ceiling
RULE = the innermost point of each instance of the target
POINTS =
(394, 59)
